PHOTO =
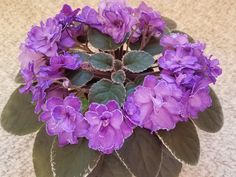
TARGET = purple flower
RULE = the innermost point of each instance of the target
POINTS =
(67, 15)
(44, 38)
(173, 40)
(155, 105)
(29, 56)
(187, 64)
(113, 18)
(64, 119)
(67, 61)
(108, 127)
(29, 77)
(89, 16)
(149, 23)
(197, 100)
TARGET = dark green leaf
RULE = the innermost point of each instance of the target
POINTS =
(181, 32)
(183, 142)
(42, 154)
(142, 153)
(170, 23)
(110, 166)
(117, 65)
(104, 90)
(102, 41)
(137, 61)
(153, 47)
(118, 77)
(74, 160)
(18, 115)
(18, 78)
(170, 167)
(81, 78)
(102, 61)
(85, 104)
(212, 119)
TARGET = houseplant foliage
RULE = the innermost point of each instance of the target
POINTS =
(117, 91)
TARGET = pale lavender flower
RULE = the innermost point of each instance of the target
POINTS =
(44, 38)
(29, 56)
(155, 105)
(173, 40)
(108, 127)
(64, 119)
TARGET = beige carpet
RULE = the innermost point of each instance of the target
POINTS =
(212, 21)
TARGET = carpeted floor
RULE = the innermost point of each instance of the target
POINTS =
(212, 21)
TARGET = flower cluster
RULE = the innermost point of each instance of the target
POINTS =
(55, 52)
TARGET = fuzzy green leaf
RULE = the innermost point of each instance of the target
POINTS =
(142, 153)
(42, 153)
(74, 160)
(102, 41)
(153, 47)
(170, 167)
(18, 78)
(110, 166)
(117, 65)
(81, 78)
(104, 90)
(130, 87)
(18, 115)
(118, 77)
(212, 119)
(171, 24)
(183, 142)
(137, 61)
(102, 61)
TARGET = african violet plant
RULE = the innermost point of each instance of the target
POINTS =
(113, 93)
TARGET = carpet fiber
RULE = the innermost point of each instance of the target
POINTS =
(211, 21)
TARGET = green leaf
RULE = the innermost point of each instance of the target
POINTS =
(190, 38)
(18, 115)
(142, 153)
(110, 166)
(102, 61)
(117, 65)
(81, 77)
(183, 142)
(82, 55)
(74, 160)
(171, 24)
(130, 87)
(85, 104)
(153, 47)
(137, 61)
(170, 167)
(212, 119)
(104, 90)
(18, 78)
(42, 154)
(102, 41)
(118, 77)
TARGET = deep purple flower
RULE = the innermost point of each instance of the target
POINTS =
(149, 23)
(64, 119)
(155, 105)
(67, 61)
(173, 40)
(108, 127)
(29, 56)
(44, 38)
